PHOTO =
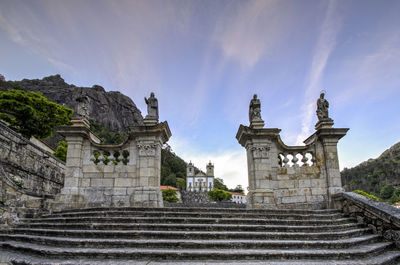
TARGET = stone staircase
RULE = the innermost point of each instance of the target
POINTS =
(194, 236)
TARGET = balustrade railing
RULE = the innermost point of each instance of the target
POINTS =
(296, 158)
(112, 157)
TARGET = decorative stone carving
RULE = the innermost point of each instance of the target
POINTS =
(255, 113)
(146, 149)
(260, 151)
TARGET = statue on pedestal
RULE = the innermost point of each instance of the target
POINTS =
(152, 107)
(322, 108)
(83, 107)
(255, 113)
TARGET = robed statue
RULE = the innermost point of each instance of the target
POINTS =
(83, 107)
(255, 109)
(322, 108)
(152, 106)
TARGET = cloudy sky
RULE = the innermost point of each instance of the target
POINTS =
(205, 59)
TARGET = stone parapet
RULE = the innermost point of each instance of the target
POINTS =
(381, 217)
(127, 174)
(282, 176)
(29, 177)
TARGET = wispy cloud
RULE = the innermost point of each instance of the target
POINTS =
(378, 70)
(325, 45)
(251, 30)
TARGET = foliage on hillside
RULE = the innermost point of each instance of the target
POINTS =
(373, 175)
(173, 169)
(106, 134)
(30, 113)
(219, 184)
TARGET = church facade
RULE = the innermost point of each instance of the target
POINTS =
(199, 181)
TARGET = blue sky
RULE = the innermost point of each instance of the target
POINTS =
(205, 59)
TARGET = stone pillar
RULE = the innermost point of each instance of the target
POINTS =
(262, 161)
(149, 140)
(73, 173)
(326, 139)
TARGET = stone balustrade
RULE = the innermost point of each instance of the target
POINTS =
(298, 158)
(127, 174)
(282, 176)
(381, 217)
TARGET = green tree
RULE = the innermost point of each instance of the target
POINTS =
(219, 184)
(171, 164)
(169, 181)
(395, 198)
(238, 189)
(181, 183)
(387, 191)
(169, 195)
(31, 114)
(61, 151)
(219, 195)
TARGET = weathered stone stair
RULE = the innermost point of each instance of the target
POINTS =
(194, 235)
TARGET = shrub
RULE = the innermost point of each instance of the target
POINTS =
(61, 151)
(169, 195)
(219, 195)
(361, 192)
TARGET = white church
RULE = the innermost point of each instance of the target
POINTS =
(200, 181)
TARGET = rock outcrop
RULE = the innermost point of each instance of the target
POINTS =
(112, 109)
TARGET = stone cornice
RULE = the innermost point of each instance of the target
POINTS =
(336, 133)
(160, 129)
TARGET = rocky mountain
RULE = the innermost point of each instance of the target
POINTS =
(111, 109)
(373, 174)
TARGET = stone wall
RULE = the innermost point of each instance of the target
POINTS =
(282, 176)
(384, 219)
(112, 175)
(29, 176)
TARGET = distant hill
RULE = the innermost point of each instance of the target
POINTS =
(373, 174)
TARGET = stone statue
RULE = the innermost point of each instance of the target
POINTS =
(83, 107)
(322, 108)
(255, 110)
(152, 106)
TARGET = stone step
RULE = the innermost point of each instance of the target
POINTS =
(290, 216)
(211, 235)
(192, 244)
(184, 220)
(363, 251)
(12, 257)
(200, 209)
(191, 227)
